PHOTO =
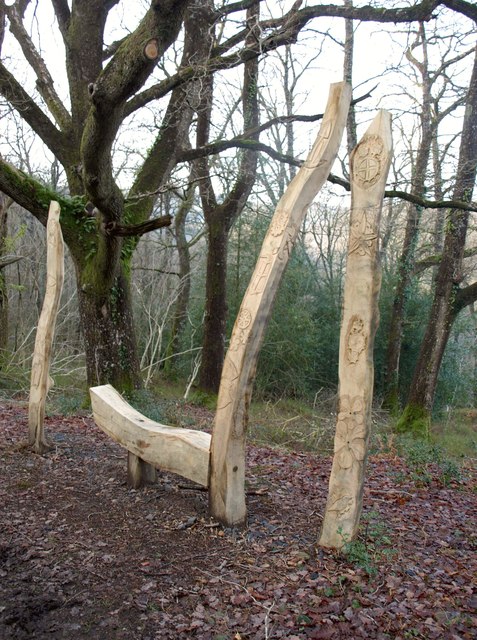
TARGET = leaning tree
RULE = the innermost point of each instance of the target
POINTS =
(109, 85)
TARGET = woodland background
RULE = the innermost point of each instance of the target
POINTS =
(222, 192)
(168, 130)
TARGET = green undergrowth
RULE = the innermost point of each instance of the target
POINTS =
(455, 431)
(427, 460)
(372, 546)
(67, 396)
(203, 399)
(291, 423)
(147, 403)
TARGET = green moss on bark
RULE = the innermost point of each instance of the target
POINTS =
(415, 420)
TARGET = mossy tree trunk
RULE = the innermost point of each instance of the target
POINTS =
(215, 318)
(109, 334)
(449, 296)
(101, 235)
(3, 284)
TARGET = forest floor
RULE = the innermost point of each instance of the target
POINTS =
(84, 557)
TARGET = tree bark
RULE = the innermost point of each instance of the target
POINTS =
(3, 283)
(408, 252)
(220, 217)
(109, 335)
(417, 413)
(215, 318)
(351, 135)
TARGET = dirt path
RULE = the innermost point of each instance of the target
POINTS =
(82, 556)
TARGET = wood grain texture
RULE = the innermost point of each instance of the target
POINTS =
(369, 163)
(40, 379)
(181, 451)
(227, 472)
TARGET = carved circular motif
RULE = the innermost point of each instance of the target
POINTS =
(368, 171)
(368, 160)
(244, 319)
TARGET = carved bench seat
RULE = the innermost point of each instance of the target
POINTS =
(182, 451)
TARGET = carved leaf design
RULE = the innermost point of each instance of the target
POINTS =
(350, 438)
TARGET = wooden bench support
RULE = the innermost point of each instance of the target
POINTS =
(150, 444)
(140, 473)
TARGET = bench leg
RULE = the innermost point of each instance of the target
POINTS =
(140, 473)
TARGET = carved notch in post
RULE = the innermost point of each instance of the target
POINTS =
(40, 380)
(370, 162)
(227, 462)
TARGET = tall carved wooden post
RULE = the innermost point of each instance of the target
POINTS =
(227, 463)
(40, 380)
(370, 163)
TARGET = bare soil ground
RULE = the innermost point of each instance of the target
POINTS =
(83, 557)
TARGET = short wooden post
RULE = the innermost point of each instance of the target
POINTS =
(370, 163)
(140, 473)
(40, 380)
(227, 463)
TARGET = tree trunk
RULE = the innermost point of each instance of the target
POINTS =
(405, 268)
(213, 342)
(221, 217)
(183, 295)
(417, 413)
(407, 258)
(351, 135)
(108, 330)
(3, 284)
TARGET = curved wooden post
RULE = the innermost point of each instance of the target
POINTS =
(40, 380)
(370, 163)
(227, 464)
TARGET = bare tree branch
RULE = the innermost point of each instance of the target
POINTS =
(468, 9)
(126, 72)
(115, 229)
(16, 95)
(285, 30)
(216, 147)
(6, 260)
(45, 84)
(433, 261)
(63, 15)
(464, 297)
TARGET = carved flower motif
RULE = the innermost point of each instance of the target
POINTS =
(350, 443)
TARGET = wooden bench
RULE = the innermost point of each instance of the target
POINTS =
(150, 445)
